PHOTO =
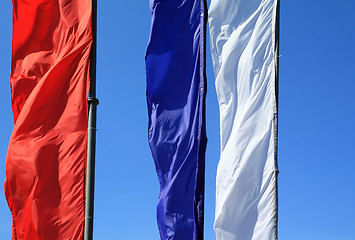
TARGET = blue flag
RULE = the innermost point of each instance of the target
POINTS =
(176, 90)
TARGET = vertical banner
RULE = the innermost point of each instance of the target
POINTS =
(244, 50)
(46, 159)
(175, 65)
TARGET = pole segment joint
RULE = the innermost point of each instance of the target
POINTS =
(93, 100)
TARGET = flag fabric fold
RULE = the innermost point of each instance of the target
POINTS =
(46, 158)
(244, 46)
(175, 65)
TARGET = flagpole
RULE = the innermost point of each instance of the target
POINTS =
(92, 104)
(277, 46)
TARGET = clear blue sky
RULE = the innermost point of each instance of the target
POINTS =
(316, 123)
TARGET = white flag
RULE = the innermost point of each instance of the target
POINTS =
(243, 36)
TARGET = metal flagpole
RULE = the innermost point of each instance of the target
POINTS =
(276, 56)
(92, 102)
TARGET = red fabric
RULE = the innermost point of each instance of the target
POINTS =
(46, 159)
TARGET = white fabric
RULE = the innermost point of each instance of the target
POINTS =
(242, 34)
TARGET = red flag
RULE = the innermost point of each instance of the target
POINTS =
(46, 159)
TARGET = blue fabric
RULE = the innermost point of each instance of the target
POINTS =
(176, 92)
